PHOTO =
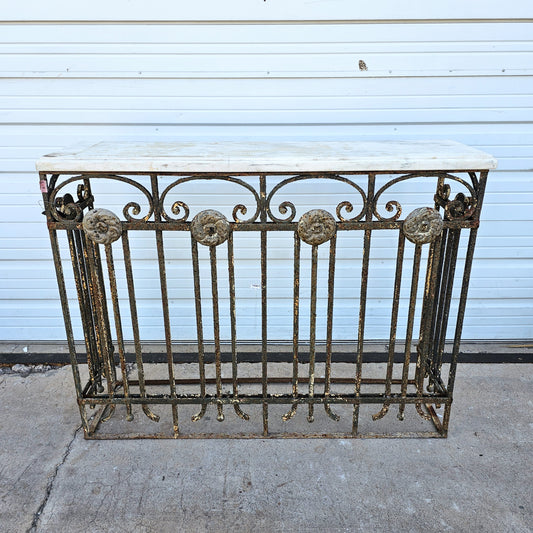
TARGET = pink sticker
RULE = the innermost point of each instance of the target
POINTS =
(44, 186)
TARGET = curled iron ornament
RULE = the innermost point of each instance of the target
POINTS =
(460, 208)
(239, 208)
(423, 225)
(348, 207)
(178, 206)
(176, 210)
(210, 228)
(85, 198)
(440, 198)
(316, 227)
(283, 208)
(65, 208)
(102, 226)
(393, 206)
(288, 207)
(83, 192)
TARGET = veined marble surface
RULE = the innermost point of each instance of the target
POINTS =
(256, 156)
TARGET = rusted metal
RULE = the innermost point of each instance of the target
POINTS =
(233, 319)
(418, 387)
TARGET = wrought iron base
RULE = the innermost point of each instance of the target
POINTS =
(357, 400)
(430, 409)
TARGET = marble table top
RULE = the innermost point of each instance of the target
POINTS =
(256, 156)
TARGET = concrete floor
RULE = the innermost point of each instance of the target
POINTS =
(479, 479)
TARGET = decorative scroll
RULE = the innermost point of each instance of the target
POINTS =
(102, 226)
(66, 208)
(460, 208)
(288, 207)
(423, 225)
(316, 227)
(210, 228)
(181, 210)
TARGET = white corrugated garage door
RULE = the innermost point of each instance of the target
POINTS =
(324, 72)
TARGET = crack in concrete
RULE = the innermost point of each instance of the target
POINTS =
(50, 484)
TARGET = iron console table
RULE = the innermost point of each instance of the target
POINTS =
(262, 399)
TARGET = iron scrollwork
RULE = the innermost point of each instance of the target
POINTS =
(65, 208)
(178, 207)
(288, 207)
(462, 207)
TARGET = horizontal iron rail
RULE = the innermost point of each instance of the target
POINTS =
(262, 226)
(315, 173)
(284, 435)
(273, 380)
(90, 387)
(195, 399)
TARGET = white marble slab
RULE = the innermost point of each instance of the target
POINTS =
(233, 157)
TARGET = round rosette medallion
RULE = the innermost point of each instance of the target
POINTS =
(210, 228)
(102, 226)
(423, 225)
(316, 226)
